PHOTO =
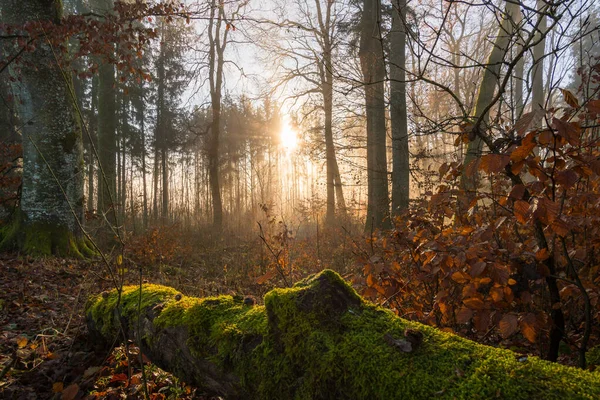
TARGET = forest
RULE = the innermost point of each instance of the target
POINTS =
(299, 199)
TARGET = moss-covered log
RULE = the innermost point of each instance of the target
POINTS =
(320, 340)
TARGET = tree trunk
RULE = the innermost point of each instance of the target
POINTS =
(107, 135)
(537, 84)
(10, 176)
(216, 53)
(398, 112)
(142, 120)
(52, 187)
(373, 70)
(319, 340)
(485, 96)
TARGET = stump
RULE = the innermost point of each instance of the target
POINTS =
(320, 340)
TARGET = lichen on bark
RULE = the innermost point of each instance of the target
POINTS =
(52, 185)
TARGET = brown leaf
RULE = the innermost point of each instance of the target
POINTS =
(560, 227)
(478, 268)
(568, 130)
(494, 163)
(517, 192)
(508, 325)
(567, 178)
(593, 106)
(70, 392)
(527, 119)
(546, 137)
(464, 315)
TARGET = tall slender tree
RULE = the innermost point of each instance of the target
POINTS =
(373, 70)
(398, 109)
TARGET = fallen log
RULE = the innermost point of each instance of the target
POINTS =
(320, 340)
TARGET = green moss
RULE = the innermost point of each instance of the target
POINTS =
(42, 239)
(593, 356)
(302, 346)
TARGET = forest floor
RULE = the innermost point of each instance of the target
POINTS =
(45, 352)
(44, 349)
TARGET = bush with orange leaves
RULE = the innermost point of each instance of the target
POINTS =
(517, 261)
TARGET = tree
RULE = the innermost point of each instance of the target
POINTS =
(107, 131)
(485, 97)
(52, 190)
(216, 60)
(398, 109)
(309, 57)
(373, 70)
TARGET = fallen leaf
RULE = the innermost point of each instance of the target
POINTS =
(70, 392)
(57, 387)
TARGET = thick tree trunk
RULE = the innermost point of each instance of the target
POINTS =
(10, 174)
(319, 340)
(373, 70)
(52, 187)
(398, 112)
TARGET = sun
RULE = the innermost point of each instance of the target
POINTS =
(288, 136)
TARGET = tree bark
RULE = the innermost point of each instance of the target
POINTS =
(537, 84)
(52, 187)
(107, 134)
(373, 70)
(216, 61)
(486, 93)
(398, 112)
(319, 340)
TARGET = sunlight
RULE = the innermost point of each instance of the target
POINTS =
(288, 136)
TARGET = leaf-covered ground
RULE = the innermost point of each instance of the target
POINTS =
(44, 349)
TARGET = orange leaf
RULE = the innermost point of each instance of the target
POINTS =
(22, 341)
(528, 327)
(521, 210)
(461, 277)
(119, 378)
(542, 254)
(521, 152)
(57, 387)
(508, 325)
(474, 303)
(497, 294)
(264, 278)
(570, 99)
